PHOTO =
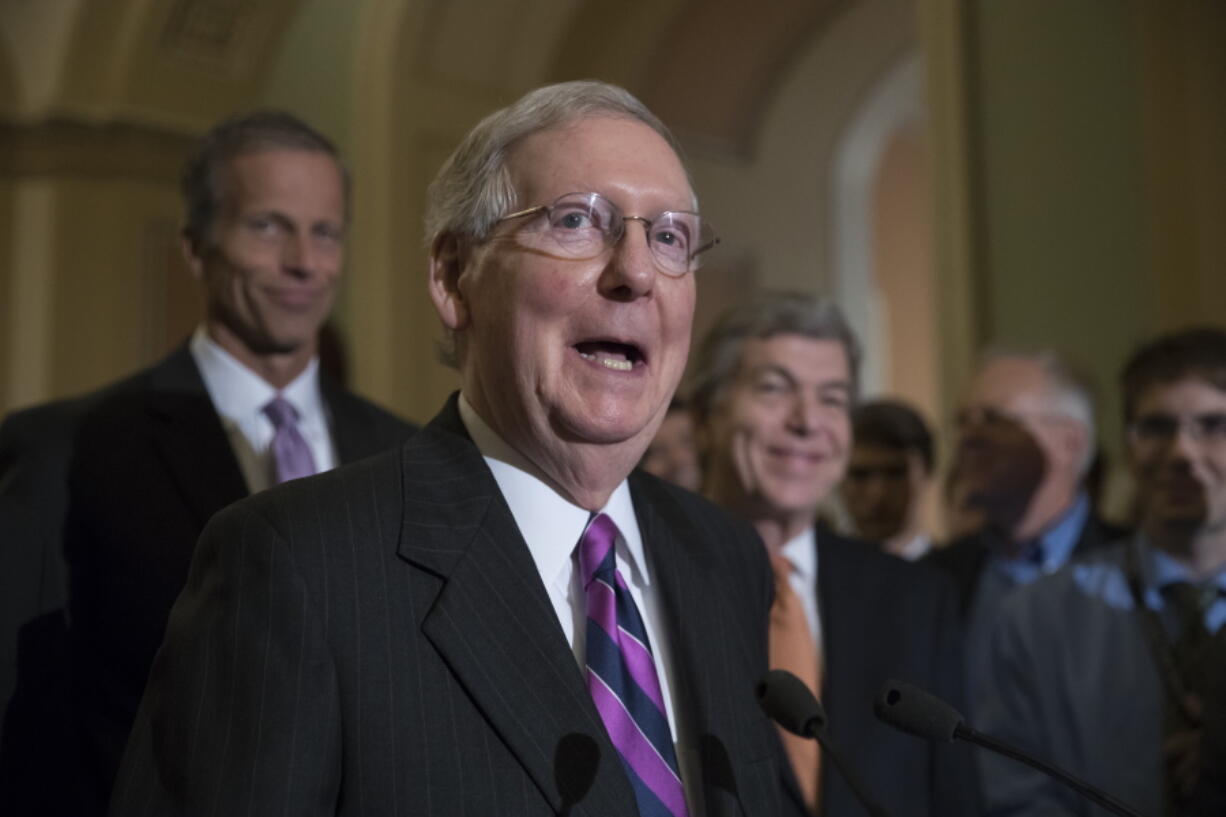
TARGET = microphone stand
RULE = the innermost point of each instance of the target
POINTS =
(1090, 792)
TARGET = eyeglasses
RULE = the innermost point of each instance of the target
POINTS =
(1162, 429)
(583, 225)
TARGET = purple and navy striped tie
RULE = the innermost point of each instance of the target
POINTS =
(621, 677)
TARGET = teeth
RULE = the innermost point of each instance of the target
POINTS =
(609, 363)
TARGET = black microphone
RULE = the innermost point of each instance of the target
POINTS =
(924, 715)
(788, 702)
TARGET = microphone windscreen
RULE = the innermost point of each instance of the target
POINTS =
(791, 704)
(913, 710)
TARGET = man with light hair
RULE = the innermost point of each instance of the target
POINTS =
(773, 387)
(1026, 440)
(1115, 667)
(498, 618)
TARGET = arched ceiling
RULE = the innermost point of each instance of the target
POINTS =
(179, 64)
(182, 64)
(675, 54)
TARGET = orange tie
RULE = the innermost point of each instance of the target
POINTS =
(792, 648)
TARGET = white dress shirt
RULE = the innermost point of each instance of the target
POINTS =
(239, 396)
(552, 526)
(801, 552)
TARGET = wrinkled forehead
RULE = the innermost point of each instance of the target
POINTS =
(620, 157)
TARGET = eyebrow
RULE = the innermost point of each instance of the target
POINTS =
(775, 368)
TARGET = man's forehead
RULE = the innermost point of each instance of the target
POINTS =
(1010, 382)
(876, 454)
(1189, 393)
(799, 356)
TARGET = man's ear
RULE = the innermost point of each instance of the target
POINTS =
(1076, 441)
(448, 258)
(192, 254)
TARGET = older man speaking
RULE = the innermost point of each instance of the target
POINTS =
(498, 618)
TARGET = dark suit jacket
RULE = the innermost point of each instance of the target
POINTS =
(377, 640)
(134, 472)
(884, 618)
(964, 558)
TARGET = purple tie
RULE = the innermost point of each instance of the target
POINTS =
(291, 456)
(621, 676)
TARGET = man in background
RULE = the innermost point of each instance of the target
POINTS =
(889, 476)
(1026, 439)
(773, 388)
(1115, 667)
(671, 455)
(138, 468)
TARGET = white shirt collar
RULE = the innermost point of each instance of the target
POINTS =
(801, 552)
(239, 394)
(550, 523)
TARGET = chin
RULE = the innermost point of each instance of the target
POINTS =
(592, 430)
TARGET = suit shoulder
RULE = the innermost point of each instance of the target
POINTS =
(958, 552)
(328, 497)
(867, 558)
(696, 509)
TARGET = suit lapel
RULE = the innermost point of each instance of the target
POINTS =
(841, 635)
(189, 436)
(494, 625)
(695, 615)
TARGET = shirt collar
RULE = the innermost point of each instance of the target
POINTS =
(1059, 540)
(238, 393)
(1159, 569)
(801, 553)
(550, 523)
(1051, 550)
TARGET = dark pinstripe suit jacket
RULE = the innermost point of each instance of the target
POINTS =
(122, 481)
(377, 641)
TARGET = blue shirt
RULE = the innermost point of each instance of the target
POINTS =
(1072, 678)
(1001, 575)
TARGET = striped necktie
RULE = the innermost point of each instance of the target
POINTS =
(621, 677)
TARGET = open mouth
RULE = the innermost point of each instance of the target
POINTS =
(621, 357)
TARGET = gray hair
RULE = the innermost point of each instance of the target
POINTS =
(473, 188)
(1070, 392)
(765, 316)
(246, 133)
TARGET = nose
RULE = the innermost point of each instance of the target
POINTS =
(300, 257)
(1185, 443)
(803, 417)
(631, 271)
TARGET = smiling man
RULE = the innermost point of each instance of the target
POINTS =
(132, 473)
(499, 618)
(773, 387)
(1115, 666)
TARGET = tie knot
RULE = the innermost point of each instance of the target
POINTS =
(596, 551)
(281, 412)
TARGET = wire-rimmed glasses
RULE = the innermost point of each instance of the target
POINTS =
(583, 225)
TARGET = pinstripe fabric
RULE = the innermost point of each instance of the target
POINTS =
(377, 641)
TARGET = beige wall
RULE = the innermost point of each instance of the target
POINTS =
(1075, 157)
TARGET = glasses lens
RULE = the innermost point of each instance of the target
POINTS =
(671, 235)
(579, 223)
(677, 238)
(1212, 428)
